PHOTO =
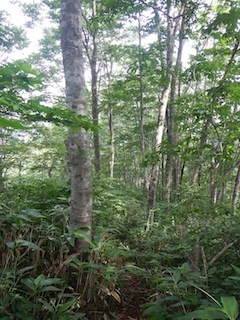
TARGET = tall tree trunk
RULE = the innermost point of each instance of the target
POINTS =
(111, 130)
(171, 163)
(94, 74)
(153, 182)
(78, 156)
(213, 188)
(172, 29)
(171, 172)
(1, 176)
(180, 181)
(2, 161)
(141, 104)
(109, 70)
(235, 194)
(197, 167)
(92, 55)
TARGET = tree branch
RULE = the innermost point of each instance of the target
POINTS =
(236, 163)
(221, 252)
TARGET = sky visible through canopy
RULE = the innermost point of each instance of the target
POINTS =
(34, 34)
(16, 17)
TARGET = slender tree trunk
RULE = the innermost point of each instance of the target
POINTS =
(110, 120)
(221, 193)
(94, 74)
(1, 176)
(213, 189)
(172, 137)
(180, 181)
(141, 104)
(172, 29)
(167, 170)
(78, 156)
(2, 161)
(92, 55)
(124, 166)
(163, 177)
(235, 194)
(111, 130)
(153, 182)
(197, 168)
(171, 163)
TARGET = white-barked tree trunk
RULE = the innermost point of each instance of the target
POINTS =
(78, 157)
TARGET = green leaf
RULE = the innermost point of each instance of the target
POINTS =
(22, 270)
(80, 315)
(39, 279)
(11, 123)
(47, 306)
(34, 213)
(49, 288)
(29, 283)
(50, 281)
(234, 278)
(83, 234)
(28, 244)
(176, 275)
(205, 314)
(3, 101)
(23, 217)
(237, 269)
(10, 245)
(209, 295)
(230, 307)
(65, 306)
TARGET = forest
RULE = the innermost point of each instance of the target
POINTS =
(119, 159)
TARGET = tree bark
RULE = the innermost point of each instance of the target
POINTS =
(111, 131)
(235, 194)
(109, 70)
(78, 156)
(92, 55)
(153, 182)
(141, 103)
(96, 142)
(1, 176)
(171, 163)
(2, 161)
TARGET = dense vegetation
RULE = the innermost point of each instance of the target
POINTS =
(165, 230)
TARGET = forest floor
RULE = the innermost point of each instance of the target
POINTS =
(135, 295)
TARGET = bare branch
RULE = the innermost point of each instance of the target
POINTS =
(233, 166)
(221, 252)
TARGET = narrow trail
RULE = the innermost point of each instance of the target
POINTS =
(135, 295)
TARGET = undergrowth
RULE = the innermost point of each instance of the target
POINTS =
(179, 269)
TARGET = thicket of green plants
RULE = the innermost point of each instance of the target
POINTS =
(180, 269)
